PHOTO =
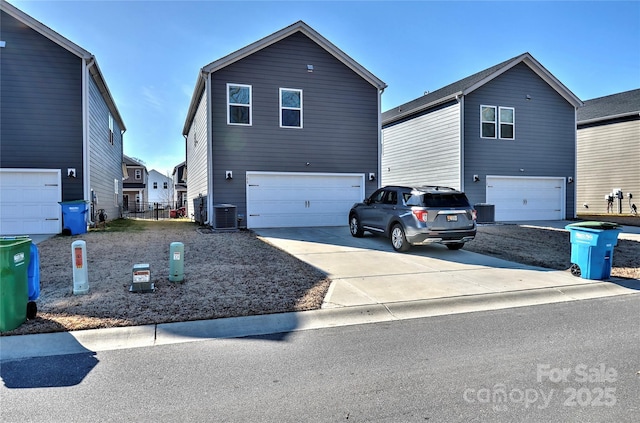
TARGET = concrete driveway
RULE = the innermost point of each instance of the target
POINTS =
(367, 271)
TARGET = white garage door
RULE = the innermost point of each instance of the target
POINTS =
(276, 200)
(29, 201)
(521, 198)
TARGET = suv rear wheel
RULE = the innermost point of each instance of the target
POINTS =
(398, 240)
(354, 226)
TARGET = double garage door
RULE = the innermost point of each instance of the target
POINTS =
(277, 199)
(29, 201)
(521, 198)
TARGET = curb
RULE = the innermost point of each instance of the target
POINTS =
(94, 340)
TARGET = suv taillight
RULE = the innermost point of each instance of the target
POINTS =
(474, 214)
(421, 215)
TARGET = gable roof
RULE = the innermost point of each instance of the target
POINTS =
(131, 162)
(299, 26)
(70, 46)
(612, 106)
(475, 81)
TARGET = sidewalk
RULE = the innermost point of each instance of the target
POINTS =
(371, 283)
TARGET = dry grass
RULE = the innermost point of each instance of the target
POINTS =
(234, 273)
(226, 274)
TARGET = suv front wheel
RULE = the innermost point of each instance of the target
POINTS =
(398, 240)
(354, 226)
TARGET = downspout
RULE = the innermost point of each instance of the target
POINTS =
(460, 99)
(209, 152)
(379, 166)
(86, 153)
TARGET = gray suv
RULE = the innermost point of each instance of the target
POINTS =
(416, 216)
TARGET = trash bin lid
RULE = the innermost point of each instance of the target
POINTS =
(595, 225)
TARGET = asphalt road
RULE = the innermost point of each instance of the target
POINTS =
(575, 361)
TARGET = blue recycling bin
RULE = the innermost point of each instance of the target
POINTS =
(74, 216)
(592, 248)
(33, 273)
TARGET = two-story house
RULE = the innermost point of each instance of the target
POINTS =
(61, 132)
(160, 190)
(505, 135)
(134, 190)
(608, 175)
(284, 131)
(179, 177)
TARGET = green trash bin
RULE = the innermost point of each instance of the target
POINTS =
(14, 290)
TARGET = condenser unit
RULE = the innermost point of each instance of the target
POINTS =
(225, 216)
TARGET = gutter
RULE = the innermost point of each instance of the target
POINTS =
(419, 109)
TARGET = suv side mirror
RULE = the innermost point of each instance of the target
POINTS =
(367, 201)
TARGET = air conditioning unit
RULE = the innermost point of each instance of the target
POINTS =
(225, 216)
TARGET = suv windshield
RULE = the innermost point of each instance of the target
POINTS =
(436, 200)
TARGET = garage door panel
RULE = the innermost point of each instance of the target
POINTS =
(299, 199)
(522, 198)
(29, 202)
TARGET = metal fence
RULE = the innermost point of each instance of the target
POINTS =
(151, 211)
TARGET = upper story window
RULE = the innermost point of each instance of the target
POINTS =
(507, 123)
(238, 104)
(110, 129)
(138, 174)
(290, 108)
(155, 185)
(488, 121)
(165, 185)
(497, 122)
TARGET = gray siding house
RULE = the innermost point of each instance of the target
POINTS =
(134, 186)
(60, 129)
(505, 135)
(283, 132)
(609, 153)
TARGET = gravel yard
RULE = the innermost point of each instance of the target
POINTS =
(231, 273)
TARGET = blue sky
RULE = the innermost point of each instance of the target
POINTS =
(150, 52)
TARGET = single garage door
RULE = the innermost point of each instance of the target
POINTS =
(526, 198)
(277, 200)
(29, 201)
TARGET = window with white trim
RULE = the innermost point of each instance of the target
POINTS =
(138, 174)
(238, 104)
(155, 185)
(488, 121)
(507, 123)
(110, 129)
(497, 122)
(290, 108)
(165, 185)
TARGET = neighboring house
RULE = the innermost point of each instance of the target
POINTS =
(505, 135)
(179, 177)
(61, 132)
(134, 191)
(283, 132)
(609, 153)
(160, 188)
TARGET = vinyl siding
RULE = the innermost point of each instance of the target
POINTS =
(545, 133)
(105, 160)
(423, 150)
(608, 158)
(340, 133)
(41, 105)
(197, 156)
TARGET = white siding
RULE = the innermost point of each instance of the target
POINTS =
(423, 150)
(608, 158)
(197, 142)
(160, 194)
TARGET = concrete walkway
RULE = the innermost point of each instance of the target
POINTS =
(371, 283)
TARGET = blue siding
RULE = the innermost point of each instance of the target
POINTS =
(105, 159)
(340, 133)
(41, 105)
(545, 131)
